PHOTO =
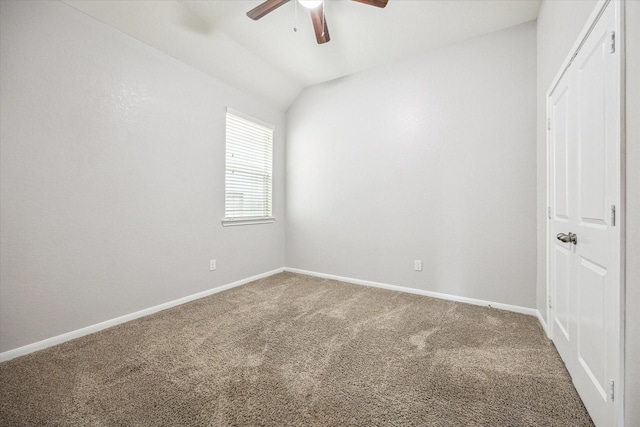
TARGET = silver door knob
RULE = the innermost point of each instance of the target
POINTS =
(568, 238)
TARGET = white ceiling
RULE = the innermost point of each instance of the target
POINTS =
(267, 58)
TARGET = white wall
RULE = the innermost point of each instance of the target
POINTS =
(112, 176)
(178, 29)
(559, 23)
(431, 158)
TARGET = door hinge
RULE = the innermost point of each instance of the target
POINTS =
(548, 123)
(613, 215)
(549, 212)
(612, 387)
(613, 41)
(550, 301)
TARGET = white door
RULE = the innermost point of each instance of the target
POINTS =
(584, 252)
(561, 254)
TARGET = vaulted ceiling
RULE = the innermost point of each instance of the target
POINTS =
(272, 61)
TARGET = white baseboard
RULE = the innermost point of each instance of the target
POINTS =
(59, 339)
(514, 308)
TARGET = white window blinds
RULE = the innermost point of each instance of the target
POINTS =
(248, 180)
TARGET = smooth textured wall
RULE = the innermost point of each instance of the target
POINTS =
(559, 24)
(431, 158)
(112, 176)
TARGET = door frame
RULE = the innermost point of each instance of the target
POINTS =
(621, 220)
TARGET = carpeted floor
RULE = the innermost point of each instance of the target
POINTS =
(293, 350)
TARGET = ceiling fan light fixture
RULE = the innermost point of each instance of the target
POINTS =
(316, 10)
(310, 4)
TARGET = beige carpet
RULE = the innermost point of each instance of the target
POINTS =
(292, 350)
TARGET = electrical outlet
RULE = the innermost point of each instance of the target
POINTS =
(212, 265)
(417, 265)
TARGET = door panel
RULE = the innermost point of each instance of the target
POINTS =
(560, 256)
(561, 312)
(597, 276)
(559, 118)
(584, 184)
(591, 314)
(591, 131)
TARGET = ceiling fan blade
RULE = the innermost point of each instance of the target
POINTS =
(318, 19)
(264, 8)
(376, 3)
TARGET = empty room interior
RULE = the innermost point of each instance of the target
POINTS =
(320, 213)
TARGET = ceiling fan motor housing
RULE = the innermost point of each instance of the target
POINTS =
(316, 9)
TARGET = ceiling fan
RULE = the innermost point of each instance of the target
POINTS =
(316, 8)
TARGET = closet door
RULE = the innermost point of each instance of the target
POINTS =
(585, 240)
(561, 253)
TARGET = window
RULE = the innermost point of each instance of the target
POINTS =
(248, 171)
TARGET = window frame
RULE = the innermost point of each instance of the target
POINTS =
(234, 221)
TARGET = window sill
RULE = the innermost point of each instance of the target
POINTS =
(231, 222)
